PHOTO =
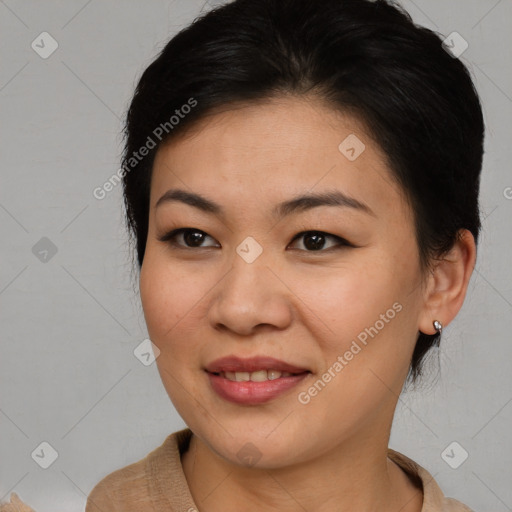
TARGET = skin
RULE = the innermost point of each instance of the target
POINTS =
(302, 306)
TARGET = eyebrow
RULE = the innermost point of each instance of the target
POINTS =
(297, 204)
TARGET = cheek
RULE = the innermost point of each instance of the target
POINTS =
(346, 298)
(172, 309)
(364, 306)
(166, 295)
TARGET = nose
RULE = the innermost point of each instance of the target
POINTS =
(250, 298)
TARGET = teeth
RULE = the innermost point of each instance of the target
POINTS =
(258, 376)
(237, 376)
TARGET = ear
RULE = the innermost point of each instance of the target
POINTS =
(447, 283)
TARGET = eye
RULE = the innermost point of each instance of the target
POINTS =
(317, 240)
(313, 241)
(187, 238)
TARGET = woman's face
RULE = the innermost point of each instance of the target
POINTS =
(299, 247)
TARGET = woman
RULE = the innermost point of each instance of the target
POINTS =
(301, 180)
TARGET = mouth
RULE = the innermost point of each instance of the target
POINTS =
(254, 380)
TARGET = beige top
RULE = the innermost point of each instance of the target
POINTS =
(157, 483)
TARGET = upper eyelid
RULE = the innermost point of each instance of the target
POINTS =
(301, 233)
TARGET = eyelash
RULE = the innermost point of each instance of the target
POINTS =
(170, 238)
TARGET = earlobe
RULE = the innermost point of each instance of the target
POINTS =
(447, 284)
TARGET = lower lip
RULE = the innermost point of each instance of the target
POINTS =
(253, 393)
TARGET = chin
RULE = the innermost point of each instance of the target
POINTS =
(253, 444)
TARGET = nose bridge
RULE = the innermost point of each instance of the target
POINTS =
(249, 295)
(248, 273)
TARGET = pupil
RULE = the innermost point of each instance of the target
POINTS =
(316, 241)
(193, 238)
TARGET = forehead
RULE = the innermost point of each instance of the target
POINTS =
(254, 153)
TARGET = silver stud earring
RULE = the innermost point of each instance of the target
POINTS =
(438, 326)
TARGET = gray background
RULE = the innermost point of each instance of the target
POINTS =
(70, 324)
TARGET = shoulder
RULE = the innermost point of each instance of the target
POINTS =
(125, 485)
(452, 505)
(133, 487)
(434, 499)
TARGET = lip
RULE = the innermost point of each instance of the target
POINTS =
(251, 364)
(248, 392)
(253, 393)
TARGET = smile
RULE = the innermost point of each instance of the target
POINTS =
(253, 388)
(254, 380)
(258, 376)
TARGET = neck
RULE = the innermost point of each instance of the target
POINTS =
(355, 475)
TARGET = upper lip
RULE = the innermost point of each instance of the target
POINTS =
(251, 364)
